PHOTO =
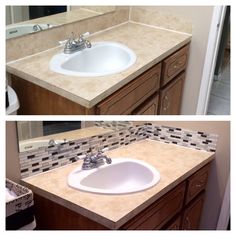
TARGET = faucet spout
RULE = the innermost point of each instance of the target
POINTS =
(73, 45)
(95, 161)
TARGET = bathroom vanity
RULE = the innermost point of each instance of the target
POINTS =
(173, 203)
(153, 85)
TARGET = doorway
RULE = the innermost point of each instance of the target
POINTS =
(219, 101)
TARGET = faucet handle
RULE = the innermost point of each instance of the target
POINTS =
(84, 35)
(82, 157)
(67, 41)
(105, 149)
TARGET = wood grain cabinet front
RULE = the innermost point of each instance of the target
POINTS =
(175, 224)
(132, 95)
(174, 64)
(197, 183)
(171, 97)
(192, 214)
(149, 107)
(160, 212)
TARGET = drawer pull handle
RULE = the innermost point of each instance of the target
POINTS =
(198, 185)
(178, 65)
(165, 105)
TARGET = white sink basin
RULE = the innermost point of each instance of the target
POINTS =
(123, 176)
(103, 58)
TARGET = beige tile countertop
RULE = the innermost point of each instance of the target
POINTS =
(150, 44)
(175, 164)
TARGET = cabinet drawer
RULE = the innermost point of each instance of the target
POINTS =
(160, 212)
(197, 182)
(174, 64)
(125, 100)
(149, 107)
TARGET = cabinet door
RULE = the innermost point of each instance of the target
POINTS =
(149, 107)
(192, 214)
(171, 97)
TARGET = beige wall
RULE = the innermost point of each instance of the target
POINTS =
(220, 169)
(178, 18)
(12, 158)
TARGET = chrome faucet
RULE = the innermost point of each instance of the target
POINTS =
(73, 45)
(51, 142)
(37, 28)
(93, 161)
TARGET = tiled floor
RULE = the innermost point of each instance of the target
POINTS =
(219, 103)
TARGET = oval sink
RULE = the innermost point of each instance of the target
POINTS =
(123, 176)
(103, 58)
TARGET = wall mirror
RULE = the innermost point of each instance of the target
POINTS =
(35, 134)
(21, 20)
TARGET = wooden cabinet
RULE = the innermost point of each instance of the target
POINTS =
(174, 64)
(136, 93)
(197, 183)
(149, 107)
(132, 95)
(160, 212)
(192, 214)
(175, 224)
(171, 97)
(138, 97)
(173, 211)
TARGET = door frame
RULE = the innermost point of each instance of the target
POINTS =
(224, 216)
(217, 23)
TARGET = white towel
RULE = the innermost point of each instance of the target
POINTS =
(10, 195)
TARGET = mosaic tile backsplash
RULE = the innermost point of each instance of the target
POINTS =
(44, 159)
